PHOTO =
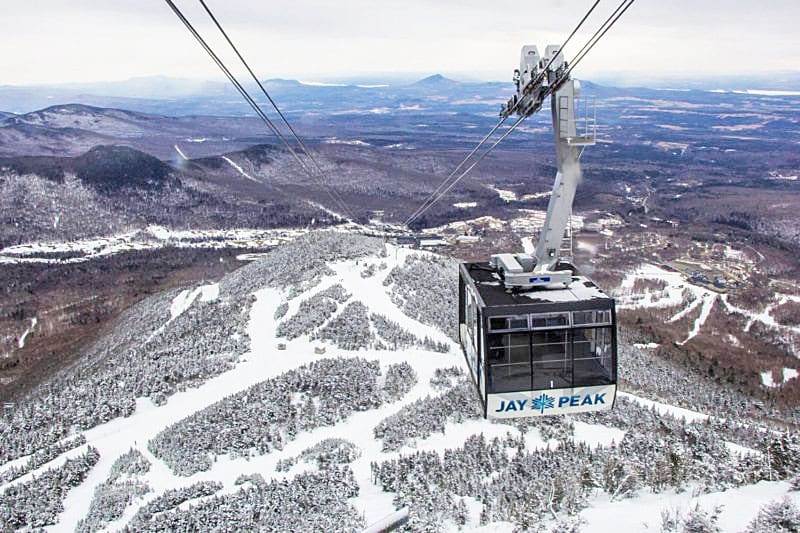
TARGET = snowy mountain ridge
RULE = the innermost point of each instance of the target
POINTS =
(227, 416)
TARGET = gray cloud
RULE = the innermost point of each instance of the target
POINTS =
(86, 40)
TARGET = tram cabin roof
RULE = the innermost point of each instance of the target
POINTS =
(582, 293)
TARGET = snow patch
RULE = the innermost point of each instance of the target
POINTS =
(643, 513)
(647, 346)
(672, 295)
(21, 341)
(239, 169)
(351, 142)
(180, 153)
(597, 434)
(787, 374)
(320, 84)
(766, 92)
(663, 408)
(508, 196)
(150, 238)
(182, 302)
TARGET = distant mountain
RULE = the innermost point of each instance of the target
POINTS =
(280, 83)
(105, 168)
(102, 121)
(110, 189)
(105, 190)
(111, 168)
(155, 87)
(781, 81)
(72, 129)
(180, 97)
(224, 101)
(31, 139)
(437, 80)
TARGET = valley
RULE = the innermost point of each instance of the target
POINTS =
(168, 271)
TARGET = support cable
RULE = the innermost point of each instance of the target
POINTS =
(453, 173)
(579, 56)
(601, 31)
(473, 165)
(243, 92)
(296, 137)
(543, 72)
(423, 206)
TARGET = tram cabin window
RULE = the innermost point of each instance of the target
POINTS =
(602, 316)
(551, 367)
(550, 320)
(592, 360)
(508, 323)
(472, 334)
(558, 350)
(509, 361)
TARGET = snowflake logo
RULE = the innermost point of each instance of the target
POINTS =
(543, 402)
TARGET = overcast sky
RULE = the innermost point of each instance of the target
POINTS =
(45, 41)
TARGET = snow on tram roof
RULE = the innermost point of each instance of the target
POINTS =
(581, 288)
(492, 292)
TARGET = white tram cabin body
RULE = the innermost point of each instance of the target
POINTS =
(538, 352)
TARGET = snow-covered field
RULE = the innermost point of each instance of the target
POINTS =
(737, 508)
(529, 221)
(511, 196)
(678, 289)
(149, 238)
(382, 289)
(532, 220)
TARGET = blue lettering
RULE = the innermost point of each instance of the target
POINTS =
(521, 404)
(564, 400)
(511, 406)
(573, 401)
(502, 406)
(587, 400)
(598, 398)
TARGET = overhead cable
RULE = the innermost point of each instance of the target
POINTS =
(473, 165)
(297, 138)
(424, 206)
(243, 92)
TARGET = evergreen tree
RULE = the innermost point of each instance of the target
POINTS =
(700, 521)
(461, 513)
(781, 516)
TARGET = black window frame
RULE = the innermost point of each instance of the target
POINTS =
(571, 331)
(612, 379)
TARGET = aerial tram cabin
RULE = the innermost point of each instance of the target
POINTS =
(537, 352)
(539, 337)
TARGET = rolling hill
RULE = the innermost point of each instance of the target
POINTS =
(217, 405)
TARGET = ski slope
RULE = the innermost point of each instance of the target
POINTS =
(264, 360)
(677, 287)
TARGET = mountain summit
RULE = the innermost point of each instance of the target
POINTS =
(436, 80)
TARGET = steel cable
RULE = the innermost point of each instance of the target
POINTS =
(297, 138)
(423, 206)
(243, 92)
